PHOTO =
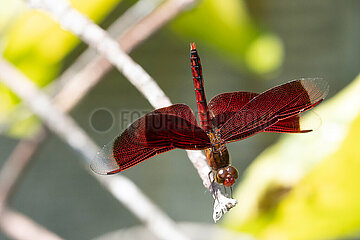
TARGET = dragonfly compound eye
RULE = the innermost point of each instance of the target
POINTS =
(227, 176)
(232, 171)
(220, 175)
(229, 181)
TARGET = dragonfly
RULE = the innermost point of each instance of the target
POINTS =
(227, 117)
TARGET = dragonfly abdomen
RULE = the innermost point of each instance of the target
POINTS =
(203, 110)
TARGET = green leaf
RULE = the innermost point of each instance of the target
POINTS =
(228, 27)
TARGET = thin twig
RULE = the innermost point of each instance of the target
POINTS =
(83, 81)
(138, 12)
(67, 129)
(133, 16)
(77, 85)
(97, 65)
(19, 227)
(89, 76)
(80, 25)
(12, 169)
(78, 79)
(222, 204)
(157, 19)
(108, 47)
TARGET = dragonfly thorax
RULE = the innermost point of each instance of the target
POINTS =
(217, 155)
(218, 159)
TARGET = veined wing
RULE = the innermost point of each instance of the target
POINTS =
(223, 106)
(159, 131)
(275, 109)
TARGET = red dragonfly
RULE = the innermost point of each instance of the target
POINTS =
(226, 118)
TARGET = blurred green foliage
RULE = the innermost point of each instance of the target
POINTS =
(36, 44)
(228, 27)
(313, 193)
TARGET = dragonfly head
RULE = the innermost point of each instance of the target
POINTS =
(226, 176)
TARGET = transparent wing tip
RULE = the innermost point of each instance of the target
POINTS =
(310, 121)
(104, 162)
(318, 88)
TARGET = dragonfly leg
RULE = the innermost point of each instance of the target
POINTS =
(225, 190)
(231, 192)
(211, 180)
(212, 186)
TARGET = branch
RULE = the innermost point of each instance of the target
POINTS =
(131, 19)
(73, 135)
(197, 231)
(72, 20)
(13, 167)
(153, 22)
(75, 82)
(82, 82)
(222, 204)
(199, 171)
(108, 47)
(11, 222)
(89, 76)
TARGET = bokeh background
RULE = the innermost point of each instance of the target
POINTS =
(291, 187)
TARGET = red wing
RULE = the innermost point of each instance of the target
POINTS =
(131, 154)
(158, 131)
(223, 106)
(274, 108)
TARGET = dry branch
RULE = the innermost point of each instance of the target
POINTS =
(19, 227)
(13, 167)
(83, 81)
(89, 76)
(72, 20)
(68, 130)
(106, 65)
(75, 82)
(108, 47)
